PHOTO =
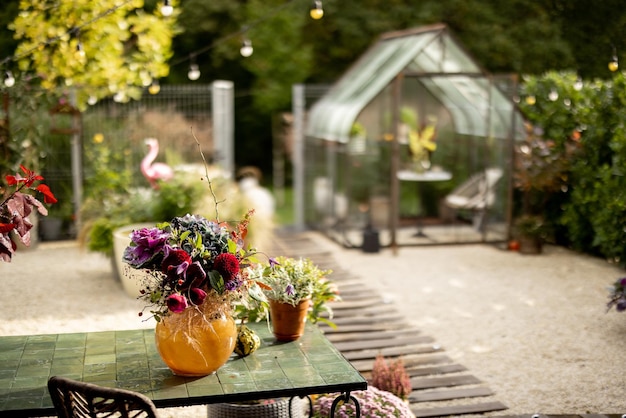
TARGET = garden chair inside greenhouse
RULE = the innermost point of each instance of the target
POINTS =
(475, 195)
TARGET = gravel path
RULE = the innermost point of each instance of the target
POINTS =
(534, 328)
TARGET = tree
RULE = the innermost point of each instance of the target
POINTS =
(98, 49)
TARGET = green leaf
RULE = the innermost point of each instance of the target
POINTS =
(217, 281)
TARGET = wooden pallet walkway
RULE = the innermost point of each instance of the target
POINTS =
(367, 325)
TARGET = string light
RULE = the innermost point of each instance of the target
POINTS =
(154, 88)
(553, 95)
(246, 48)
(92, 100)
(317, 12)
(167, 9)
(194, 71)
(578, 84)
(9, 80)
(530, 100)
(613, 64)
(80, 51)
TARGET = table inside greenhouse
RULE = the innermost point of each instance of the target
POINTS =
(421, 177)
(128, 359)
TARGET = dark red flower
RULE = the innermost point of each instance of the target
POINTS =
(175, 262)
(197, 296)
(177, 303)
(227, 265)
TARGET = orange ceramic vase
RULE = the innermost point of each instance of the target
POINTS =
(197, 341)
(288, 320)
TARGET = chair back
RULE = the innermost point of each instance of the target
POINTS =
(477, 192)
(74, 399)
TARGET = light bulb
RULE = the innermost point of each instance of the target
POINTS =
(530, 100)
(80, 51)
(9, 80)
(194, 72)
(553, 95)
(578, 85)
(246, 49)
(154, 88)
(92, 100)
(119, 97)
(167, 9)
(316, 11)
(613, 65)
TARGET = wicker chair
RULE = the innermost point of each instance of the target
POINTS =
(476, 195)
(74, 399)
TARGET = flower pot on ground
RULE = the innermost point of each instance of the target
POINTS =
(296, 282)
(530, 231)
(16, 208)
(132, 281)
(50, 228)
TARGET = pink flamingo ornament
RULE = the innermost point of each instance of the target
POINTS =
(154, 171)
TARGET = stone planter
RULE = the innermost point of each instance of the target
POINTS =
(130, 278)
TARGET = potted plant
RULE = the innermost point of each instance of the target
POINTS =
(15, 207)
(297, 291)
(391, 376)
(531, 231)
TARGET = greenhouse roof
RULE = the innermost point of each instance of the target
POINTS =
(442, 66)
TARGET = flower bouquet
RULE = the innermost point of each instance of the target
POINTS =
(197, 271)
(15, 208)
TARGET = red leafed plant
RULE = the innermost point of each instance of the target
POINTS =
(16, 206)
(391, 377)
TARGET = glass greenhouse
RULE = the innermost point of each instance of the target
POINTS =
(406, 140)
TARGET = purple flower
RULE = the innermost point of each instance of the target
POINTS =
(273, 262)
(146, 248)
(290, 290)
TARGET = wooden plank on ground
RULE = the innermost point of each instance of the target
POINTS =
(366, 365)
(388, 352)
(370, 335)
(443, 411)
(449, 394)
(381, 343)
(358, 303)
(381, 319)
(445, 381)
(433, 370)
(348, 329)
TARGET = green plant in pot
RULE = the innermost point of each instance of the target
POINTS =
(295, 286)
(530, 231)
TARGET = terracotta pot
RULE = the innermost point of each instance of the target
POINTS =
(530, 245)
(288, 320)
(196, 342)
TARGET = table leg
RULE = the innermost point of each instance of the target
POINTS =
(346, 397)
(420, 212)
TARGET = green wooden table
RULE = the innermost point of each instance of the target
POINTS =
(129, 360)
